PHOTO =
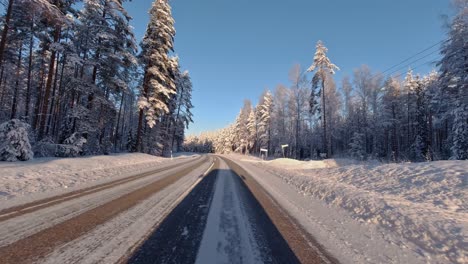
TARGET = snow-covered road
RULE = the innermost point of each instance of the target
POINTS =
(228, 219)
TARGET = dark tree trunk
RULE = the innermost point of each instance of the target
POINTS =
(50, 75)
(117, 136)
(57, 107)
(54, 95)
(396, 154)
(324, 120)
(179, 105)
(430, 137)
(6, 27)
(14, 106)
(141, 113)
(29, 81)
(40, 92)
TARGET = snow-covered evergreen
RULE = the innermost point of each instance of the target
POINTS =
(14, 141)
(323, 68)
(454, 80)
(159, 84)
(356, 145)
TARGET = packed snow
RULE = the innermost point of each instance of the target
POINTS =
(228, 235)
(423, 204)
(54, 175)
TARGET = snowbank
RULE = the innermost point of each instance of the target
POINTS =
(48, 174)
(423, 202)
(293, 164)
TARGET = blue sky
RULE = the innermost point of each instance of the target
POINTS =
(236, 49)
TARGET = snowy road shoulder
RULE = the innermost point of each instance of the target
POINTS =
(354, 218)
(23, 182)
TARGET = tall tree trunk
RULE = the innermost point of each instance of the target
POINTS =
(141, 113)
(6, 27)
(297, 131)
(124, 118)
(57, 107)
(116, 136)
(48, 87)
(30, 63)
(408, 134)
(14, 106)
(396, 154)
(54, 95)
(179, 105)
(324, 120)
(430, 137)
(40, 92)
(2, 90)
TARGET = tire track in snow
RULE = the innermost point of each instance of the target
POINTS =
(16, 211)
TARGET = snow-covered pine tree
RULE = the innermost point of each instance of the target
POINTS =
(14, 141)
(420, 144)
(322, 65)
(158, 85)
(264, 112)
(410, 85)
(357, 146)
(454, 80)
(183, 105)
(460, 132)
(430, 84)
(56, 24)
(107, 46)
(252, 130)
(391, 117)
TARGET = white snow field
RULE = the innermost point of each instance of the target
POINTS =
(373, 212)
(44, 177)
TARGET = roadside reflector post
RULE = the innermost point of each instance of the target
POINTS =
(283, 147)
(262, 150)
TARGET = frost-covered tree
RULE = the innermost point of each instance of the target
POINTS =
(183, 105)
(420, 146)
(297, 104)
(252, 130)
(159, 83)
(391, 117)
(454, 79)
(264, 114)
(14, 141)
(107, 47)
(322, 67)
(411, 83)
(357, 149)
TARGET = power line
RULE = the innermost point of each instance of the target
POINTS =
(409, 64)
(413, 56)
(417, 66)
